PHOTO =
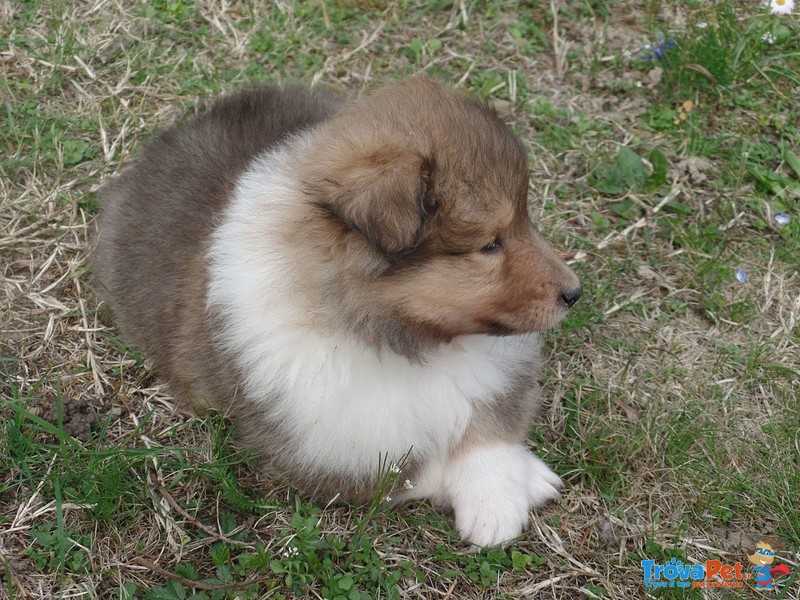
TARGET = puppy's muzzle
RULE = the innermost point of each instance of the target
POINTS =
(570, 297)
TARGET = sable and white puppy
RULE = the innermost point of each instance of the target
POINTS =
(348, 279)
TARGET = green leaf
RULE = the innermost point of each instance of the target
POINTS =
(794, 162)
(610, 186)
(600, 221)
(660, 169)
(627, 209)
(536, 560)
(627, 172)
(224, 574)
(172, 591)
(678, 208)
(662, 120)
(220, 554)
(631, 167)
(75, 151)
(520, 560)
(775, 182)
(228, 522)
(187, 570)
(596, 590)
(416, 47)
(345, 583)
(277, 566)
(251, 560)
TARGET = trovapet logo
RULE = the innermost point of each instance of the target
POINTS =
(716, 574)
(762, 560)
(675, 574)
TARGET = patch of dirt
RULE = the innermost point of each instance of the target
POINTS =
(694, 169)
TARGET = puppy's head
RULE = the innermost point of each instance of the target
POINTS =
(426, 195)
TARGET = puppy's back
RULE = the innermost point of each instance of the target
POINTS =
(156, 218)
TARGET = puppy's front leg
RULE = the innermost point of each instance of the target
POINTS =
(491, 480)
(492, 487)
(489, 477)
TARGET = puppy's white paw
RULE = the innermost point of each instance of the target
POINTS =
(492, 488)
(543, 484)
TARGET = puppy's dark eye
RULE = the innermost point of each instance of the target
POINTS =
(494, 246)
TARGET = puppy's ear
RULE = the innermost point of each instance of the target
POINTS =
(384, 195)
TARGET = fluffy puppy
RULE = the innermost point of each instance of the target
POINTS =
(348, 280)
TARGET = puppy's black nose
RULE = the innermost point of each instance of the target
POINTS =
(570, 297)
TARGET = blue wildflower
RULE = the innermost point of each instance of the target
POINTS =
(648, 52)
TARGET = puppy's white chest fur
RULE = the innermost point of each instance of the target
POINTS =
(344, 402)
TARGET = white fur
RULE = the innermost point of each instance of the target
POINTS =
(491, 489)
(345, 403)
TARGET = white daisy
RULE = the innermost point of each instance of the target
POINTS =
(781, 7)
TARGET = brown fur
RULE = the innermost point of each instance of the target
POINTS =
(443, 178)
(155, 223)
(401, 191)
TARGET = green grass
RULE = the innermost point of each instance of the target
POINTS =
(670, 398)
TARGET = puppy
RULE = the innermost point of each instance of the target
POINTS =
(349, 280)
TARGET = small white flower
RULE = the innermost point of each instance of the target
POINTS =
(782, 218)
(702, 25)
(290, 552)
(741, 276)
(768, 38)
(627, 53)
(394, 469)
(388, 498)
(781, 7)
(408, 485)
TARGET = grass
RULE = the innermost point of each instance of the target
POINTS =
(671, 394)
